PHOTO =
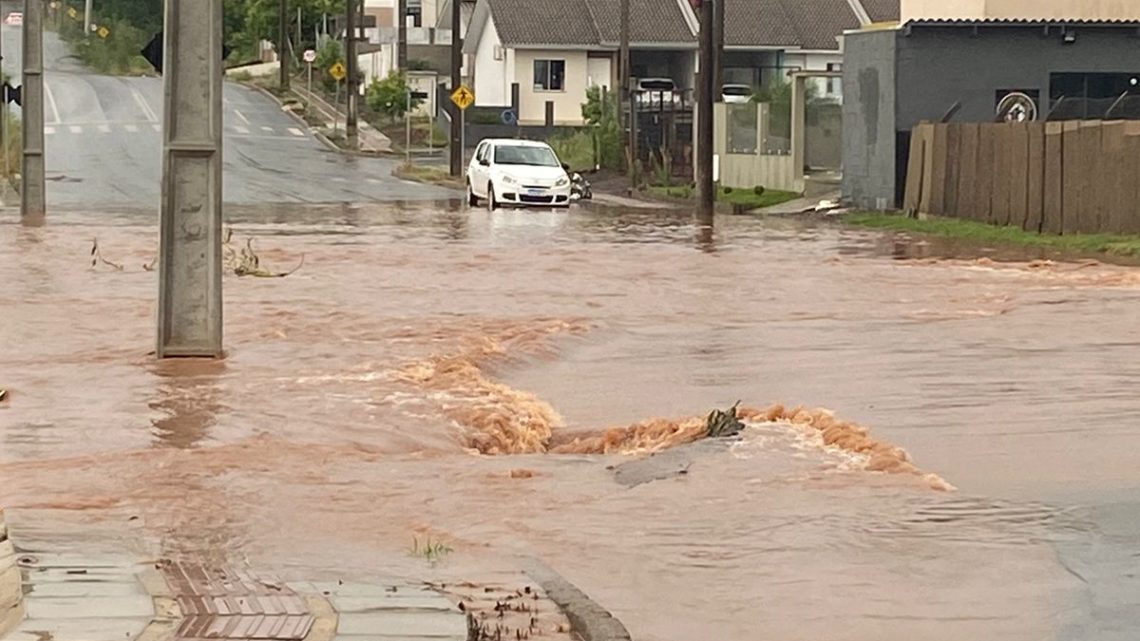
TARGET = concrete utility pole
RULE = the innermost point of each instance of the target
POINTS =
(718, 76)
(33, 199)
(457, 152)
(352, 93)
(625, 92)
(283, 43)
(190, 226)
(87, 17)
(402, 40)
(706, 196)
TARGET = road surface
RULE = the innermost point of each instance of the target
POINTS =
(103, 140)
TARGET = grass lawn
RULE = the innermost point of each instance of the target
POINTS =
(745, 197)
(983, 233)
(430, 175)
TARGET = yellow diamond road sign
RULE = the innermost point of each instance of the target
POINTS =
(338, 71)
(104, 32)
(72, 12)
(462, 97)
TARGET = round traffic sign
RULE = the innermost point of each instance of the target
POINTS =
(310, 56)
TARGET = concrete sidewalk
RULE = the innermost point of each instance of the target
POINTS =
(371, 140)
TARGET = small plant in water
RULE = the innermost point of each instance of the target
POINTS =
(433, 551)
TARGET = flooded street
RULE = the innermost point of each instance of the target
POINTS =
(434, 372)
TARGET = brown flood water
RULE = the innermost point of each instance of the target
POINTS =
(437, 372)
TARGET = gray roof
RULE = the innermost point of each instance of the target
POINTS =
(651, 21)
(807, 24)
(882, 10)
(587, 22)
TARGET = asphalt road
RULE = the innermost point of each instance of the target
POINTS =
(104, 144)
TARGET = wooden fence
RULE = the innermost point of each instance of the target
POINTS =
(1050, 177)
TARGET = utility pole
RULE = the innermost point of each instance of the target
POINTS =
(87, 18)
(718, 76)
(283, 43)
(706, 197)
(33, 199)
(402, 39)
(190, 224)
(352, 93)
(457, 152)
(625, 95)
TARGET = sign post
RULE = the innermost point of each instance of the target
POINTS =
(338, 72)
(463, 98)
(310, 58)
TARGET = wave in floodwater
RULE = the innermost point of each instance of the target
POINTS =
(496, 419)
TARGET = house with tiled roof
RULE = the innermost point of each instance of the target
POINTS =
(551, 51)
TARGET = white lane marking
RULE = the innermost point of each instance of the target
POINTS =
(49, 130)
(157, 127)
(242, 130)
(267, 129)
(76, 129)
(375, 181)
(104, 129)
(147, 112)
(338, 179)
(51, 103)
(131, 128)
(241, 116)
(296, 132)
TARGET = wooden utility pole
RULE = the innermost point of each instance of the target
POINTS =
(718, 76)
(402, 41)
(626, 101)
(283, 43)
(190, 220)
(457, 152)
(352, 92)
(706, 196)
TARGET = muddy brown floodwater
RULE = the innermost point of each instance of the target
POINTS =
(473, 378)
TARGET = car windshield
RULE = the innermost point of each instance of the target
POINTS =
(520, 155)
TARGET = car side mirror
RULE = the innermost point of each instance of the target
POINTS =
(565, 167)
(485, 162)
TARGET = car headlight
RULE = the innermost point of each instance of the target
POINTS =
(562, 182)
(507, 180)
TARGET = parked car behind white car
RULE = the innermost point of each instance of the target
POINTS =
(14, 19)
(736, 94)
(517, 172)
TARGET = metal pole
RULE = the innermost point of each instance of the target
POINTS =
(309, 95)
(33, 201)
(705, 194)
(87, 17)
(190, 227)
(299, 21)
(625, 91)
(408, 127)
(283, 43)
(456, 143)
(336, 107)
(351, 94)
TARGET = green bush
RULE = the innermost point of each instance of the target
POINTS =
(389, 97)
(758, 190)
(600, 112)
(576, 149)
(117, 54)
(329, 55)
(728, 190)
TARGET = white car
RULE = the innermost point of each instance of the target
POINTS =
(517, 172)
(14, 19)
(736, 94)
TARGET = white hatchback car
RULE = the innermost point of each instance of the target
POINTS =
(517, 172)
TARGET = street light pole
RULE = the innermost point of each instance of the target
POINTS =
(351, 93)
(283, 43)
(33, 197)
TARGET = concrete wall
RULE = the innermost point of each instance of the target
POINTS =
(869, 119)
(1021, 9)
(567, 103)
(940, 65)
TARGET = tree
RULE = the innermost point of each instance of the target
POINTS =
(390, 96)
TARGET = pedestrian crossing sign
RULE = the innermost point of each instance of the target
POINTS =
(338, 71)
(72, 13)
(104, 32)
(462, 97)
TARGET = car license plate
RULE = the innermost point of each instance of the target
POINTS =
(535, 192)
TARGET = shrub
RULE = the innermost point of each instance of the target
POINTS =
(389, 96)
(758, 190)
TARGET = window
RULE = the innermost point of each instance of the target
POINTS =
(1094, 95)
(549, 75)
(519, 155)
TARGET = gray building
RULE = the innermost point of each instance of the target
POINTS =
(969, 71)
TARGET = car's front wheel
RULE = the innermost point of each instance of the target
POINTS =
(472, 199)
(492, 204)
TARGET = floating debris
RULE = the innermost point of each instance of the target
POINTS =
(724, 424)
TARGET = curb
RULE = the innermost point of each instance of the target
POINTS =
(323, 139)
(11, 588)
(588, 620)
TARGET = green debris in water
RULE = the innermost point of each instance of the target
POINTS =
(723, 424)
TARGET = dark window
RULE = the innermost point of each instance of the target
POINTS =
(1094, 95)
(549, 75)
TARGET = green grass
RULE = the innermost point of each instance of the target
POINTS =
(745, 197)
(432, 551)
(1112, 244)
(576, 150)
(429, 174)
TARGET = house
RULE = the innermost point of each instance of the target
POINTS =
(970, 61)
(555, 49)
